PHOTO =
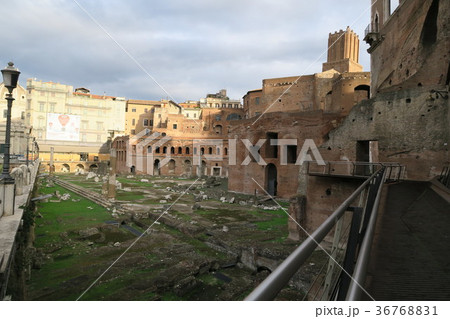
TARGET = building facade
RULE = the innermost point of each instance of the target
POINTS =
(20, 129)
(73, 125)
(299, 111)
(139, 115)
(183, 141)
(219, 100)
(406, 120)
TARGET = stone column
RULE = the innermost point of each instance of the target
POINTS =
(51, 170)
(112, 174)
(297, 213)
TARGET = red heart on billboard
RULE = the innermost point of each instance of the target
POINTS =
(63, 119)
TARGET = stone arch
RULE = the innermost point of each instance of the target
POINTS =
(93, 168)
(79, 169)
(187, 168)
(362, 92)
(271, 179)
(202, 169)
(156, 167)
(65, 168)
(171, 166)
(172, 150)
(180, 150)
(428, 35)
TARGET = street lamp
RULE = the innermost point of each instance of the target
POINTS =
(7, 194)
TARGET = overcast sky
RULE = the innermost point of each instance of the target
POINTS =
(190, 48)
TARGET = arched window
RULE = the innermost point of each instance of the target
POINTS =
(225, 151)
(157, 150)
(187, 150)
(210, 150)
(180, 150)
(171, 165)
(149, 149)
(376, 23)
(165, 150)
(172, 150)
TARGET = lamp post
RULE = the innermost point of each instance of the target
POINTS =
(7, 186)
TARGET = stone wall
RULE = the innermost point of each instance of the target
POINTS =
(297, 126)
(409, 127)
(413, 45)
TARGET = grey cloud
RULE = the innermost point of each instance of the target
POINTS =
(191, 47)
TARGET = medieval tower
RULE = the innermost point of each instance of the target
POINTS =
(343, 52)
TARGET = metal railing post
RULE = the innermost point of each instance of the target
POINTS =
(349, 259)
(333, 255)
(278, 279)
(359, 274)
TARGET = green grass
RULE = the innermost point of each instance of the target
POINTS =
(129, 196)
(133, 182)
(67, 215)
(70, 260)
(280, 219)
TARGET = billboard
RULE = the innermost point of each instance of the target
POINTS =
(63, 127)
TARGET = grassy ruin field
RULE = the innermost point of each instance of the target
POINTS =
(215, 251)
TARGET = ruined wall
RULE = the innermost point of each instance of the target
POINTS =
(414, 45)
(324, 195)
(297, 126)
(209, 133)
(329, 91)
(347, 90)
(410, 128)
(407, 119)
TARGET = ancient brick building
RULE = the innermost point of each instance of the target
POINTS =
(296, 109)
(182, 141)
(139, 115)
(407, 119)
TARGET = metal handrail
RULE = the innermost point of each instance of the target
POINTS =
(359, 274)
(328, 168)
(444, 177)
(279, 278)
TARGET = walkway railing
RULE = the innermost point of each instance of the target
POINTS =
(356, 169)
(357, 237)
(444, 178)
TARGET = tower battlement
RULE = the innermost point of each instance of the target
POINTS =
(343, 52)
